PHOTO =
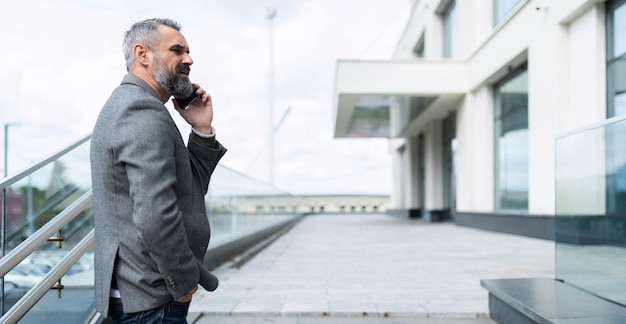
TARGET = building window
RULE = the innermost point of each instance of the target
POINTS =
(449, 30)
(501, 8)
(616, 105)
(511, 141)
(418, 50)
(616, 57)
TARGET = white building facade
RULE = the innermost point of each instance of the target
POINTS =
(474, 97)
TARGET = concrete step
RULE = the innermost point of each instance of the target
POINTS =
(335, 320)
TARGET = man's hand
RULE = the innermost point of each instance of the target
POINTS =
(187, 297)
(199, 113)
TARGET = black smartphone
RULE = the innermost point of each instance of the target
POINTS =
(184, 102)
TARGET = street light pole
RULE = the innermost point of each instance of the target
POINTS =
(3, 210)
(271, 13)
(6, 147)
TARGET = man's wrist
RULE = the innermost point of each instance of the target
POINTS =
(204, 132)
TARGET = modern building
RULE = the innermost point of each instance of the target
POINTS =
(300, 204)
(474, 97)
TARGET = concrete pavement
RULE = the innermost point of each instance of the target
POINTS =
(371, 269)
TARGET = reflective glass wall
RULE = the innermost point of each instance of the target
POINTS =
(511, 141)
(591, 209)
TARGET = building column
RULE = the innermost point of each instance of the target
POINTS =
(434, 172)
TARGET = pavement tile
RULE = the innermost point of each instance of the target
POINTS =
(389, 268)
(305, 309)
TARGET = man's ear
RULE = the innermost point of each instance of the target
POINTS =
(142, 54)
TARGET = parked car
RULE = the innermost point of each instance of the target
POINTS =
(25, 275)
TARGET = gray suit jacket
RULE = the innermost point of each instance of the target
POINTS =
(151, 226)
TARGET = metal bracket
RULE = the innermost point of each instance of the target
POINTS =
(58, 287)
(58, 239)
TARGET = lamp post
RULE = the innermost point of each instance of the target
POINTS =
(6, 147)
(3, 206)
(271, 13)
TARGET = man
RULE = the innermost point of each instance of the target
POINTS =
(152, 231)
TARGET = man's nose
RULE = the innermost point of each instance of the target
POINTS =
(187, 59)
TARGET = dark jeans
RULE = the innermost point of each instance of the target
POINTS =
(169, 313)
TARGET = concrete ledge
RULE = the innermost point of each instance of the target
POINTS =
(439, 215)
(405, 213)
(545, 300)
(226, 250)
(537, 226)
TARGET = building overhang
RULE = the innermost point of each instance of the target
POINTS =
(365, 91)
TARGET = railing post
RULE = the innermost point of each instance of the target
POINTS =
(3, 196)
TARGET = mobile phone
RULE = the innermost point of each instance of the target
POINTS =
(184, 102)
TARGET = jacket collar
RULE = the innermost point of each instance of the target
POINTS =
(135, 80)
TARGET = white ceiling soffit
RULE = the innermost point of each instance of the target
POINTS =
(356, 79)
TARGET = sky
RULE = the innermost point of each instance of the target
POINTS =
(62, 60)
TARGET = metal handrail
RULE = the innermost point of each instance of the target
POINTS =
(6, 182)
(17, 255)
(37, 292)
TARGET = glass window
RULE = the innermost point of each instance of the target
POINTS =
(616, 57)
(511, 141)
(449, 30)
(418, 50)
(501, 8)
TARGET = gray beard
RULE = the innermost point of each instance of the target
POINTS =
(173, 83)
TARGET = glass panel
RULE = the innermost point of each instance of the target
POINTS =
(418, 50)
(75, 302)
(501, 8)
(409, 108)
(590, 210)
(449, 31)
(617, 86)
(618, 29)
(511, 102)
(31, 203)
(616, 58)
(237, 203)
(37, 198)
(370, 117)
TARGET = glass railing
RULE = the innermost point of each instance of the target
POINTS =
(31, 200)
(238, 204)
(591, 209)
(37, 197)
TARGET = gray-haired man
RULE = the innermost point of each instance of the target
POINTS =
(148, 187)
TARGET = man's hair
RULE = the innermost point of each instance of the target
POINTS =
(145, 32)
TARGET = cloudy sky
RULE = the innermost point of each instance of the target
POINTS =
(62, 59)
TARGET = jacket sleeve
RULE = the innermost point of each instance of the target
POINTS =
(204, 159)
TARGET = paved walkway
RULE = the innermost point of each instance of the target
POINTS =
(370, 269)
